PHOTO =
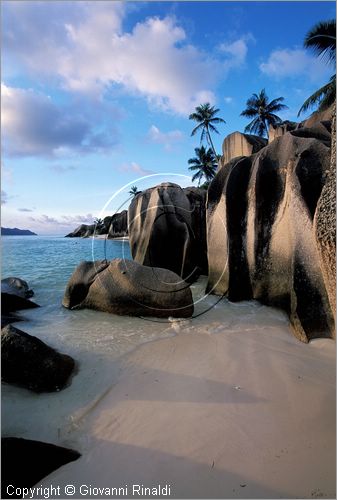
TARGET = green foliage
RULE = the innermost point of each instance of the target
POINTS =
(98, 222)
(321, 39)
(205, 116)
(263, 113)
(204, 163)
(133, 191)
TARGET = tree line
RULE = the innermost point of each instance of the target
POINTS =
(321, 39)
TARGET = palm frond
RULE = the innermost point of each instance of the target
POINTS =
(321, 39)
(327, 93)
(196, 129)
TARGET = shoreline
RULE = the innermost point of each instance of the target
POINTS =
(104, 237)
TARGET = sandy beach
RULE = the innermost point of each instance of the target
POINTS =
(213, 413)
(105, 237)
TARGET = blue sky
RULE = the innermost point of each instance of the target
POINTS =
(96, 95)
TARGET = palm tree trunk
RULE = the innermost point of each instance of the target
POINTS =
(267, 130)
(211, 143)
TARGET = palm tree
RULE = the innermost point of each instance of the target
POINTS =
(133, 191)
(205, 164)
(263, 112)
(98, 222)
(321, 39)
(204, 115)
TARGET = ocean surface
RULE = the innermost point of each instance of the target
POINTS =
(94, 339)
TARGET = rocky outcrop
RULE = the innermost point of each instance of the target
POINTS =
(25, 462)
(238, 144)
(113, 226)
(118, 225)
(280, 130)
(325, 224)
(260, 229)
(126, 287)
(167, 229)
(14, 297)
(28, 362)
(82, 231)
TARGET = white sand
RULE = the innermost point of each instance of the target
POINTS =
(105, 236)
(225, 409)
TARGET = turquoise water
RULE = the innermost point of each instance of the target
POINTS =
(47, 263)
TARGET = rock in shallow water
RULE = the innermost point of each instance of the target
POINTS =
(167, 228)
(16, 286)
(125, 287)
(28, 362)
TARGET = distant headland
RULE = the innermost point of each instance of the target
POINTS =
(7, 231)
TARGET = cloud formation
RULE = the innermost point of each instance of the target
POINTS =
(34, 126)
(25, 210)
(64, 222)
(63, 169)
(236, 51)
(87, 51)
(134, 168)
(294, 63)
(166, 139)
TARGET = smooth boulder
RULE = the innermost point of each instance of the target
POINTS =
(260, 229)
(28, 362)
(15, 294)
(16, 286)
(125, 287)
(167, 229)
(238, 144)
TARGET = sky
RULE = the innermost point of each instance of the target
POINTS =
(96, 96)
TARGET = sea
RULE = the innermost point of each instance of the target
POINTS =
(96, 340)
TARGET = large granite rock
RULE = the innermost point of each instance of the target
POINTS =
(167, 229)
(82, 231)
(126, 287)
(117, 226)
(25, 462)
(28, 362)
(113, 226)
(280, 130)
(325, 224)
(238, 144)
(260, 229)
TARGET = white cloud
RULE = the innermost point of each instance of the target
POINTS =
(228, 99)
(236, 51)
(33, 125)
(25, 210)
(134, 168)
(293, 63)
(61, 224)
(87, 51)
(166, 139)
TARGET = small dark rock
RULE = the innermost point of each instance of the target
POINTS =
(16, 286)
(30, 363)
(25, 462)
(11, 303)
